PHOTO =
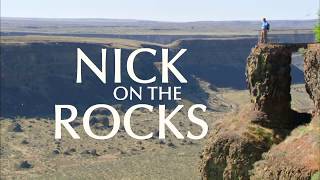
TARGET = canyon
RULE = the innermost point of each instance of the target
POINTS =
(250, 130)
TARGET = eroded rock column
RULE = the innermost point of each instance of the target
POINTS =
(268, 79)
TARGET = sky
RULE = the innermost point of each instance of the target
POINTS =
(163, 10)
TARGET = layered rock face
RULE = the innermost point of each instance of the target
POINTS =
(312, 74)
(236, 146)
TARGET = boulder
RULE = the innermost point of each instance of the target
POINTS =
(25, 165)
(16, 127)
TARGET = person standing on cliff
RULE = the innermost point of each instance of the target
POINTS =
(265, 27)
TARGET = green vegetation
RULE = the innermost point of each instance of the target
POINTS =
(301, 51)
(316, 176)
(303, 130)
(317, 33)
(317, 29)
(262, 134)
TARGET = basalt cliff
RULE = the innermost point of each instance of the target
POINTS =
(267, 139)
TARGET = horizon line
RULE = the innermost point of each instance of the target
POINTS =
(96, 18)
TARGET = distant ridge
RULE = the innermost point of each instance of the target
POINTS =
(93, 21)
(145, 20)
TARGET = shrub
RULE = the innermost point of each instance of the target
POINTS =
(317, 33)
(317, 28)
(316, 176)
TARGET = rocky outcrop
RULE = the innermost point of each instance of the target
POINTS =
(312, 74)
(269, 80)
(234, 145)
(240, 140)
(298, 157)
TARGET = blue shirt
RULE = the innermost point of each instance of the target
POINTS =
(264, 25)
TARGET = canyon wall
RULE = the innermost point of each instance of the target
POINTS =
(37, 75)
